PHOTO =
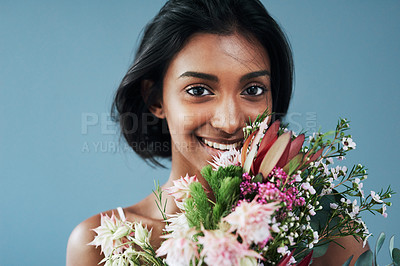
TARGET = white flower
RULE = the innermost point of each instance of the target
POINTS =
(345, 201)
(307, 186)
(226, 158)
(142, 235)
(109, 235)
(248, 261)
(316, 237)
(355, 210)
(282, 250)
(292, 260)
(384, 210)
(326, 171)
(376, 197)
(297, 178)
(335, 172)
(366, 239)
(333, 206)
(251, 220)
(357, 183)
(341, 158)
(275, 227)
(291, 240)
(348, 143)
(329, 160)
(176, 222)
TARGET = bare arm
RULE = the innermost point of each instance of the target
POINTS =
(78, 250)
(337, 255)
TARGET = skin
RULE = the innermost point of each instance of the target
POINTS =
(211, 87)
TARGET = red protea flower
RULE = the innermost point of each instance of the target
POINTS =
(275, 150)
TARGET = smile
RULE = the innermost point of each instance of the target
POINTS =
(220, 146)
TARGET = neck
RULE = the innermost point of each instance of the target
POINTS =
(179, 168)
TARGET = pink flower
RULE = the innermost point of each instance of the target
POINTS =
(227, 158)
(180, 190)
(251, 220)
(222, 249)
(179, 248)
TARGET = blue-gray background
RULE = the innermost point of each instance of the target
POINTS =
(60, 63)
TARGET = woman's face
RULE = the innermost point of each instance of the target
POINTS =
(211, 88)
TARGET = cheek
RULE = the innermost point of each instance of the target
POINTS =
(252, 110)
(184, 118)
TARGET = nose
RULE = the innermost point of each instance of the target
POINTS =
(228, 117)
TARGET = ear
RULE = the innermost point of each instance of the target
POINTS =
(157, 107)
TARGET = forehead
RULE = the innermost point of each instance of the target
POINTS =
(215, 53)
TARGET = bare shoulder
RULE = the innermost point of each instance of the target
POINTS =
(338, 254)
(80, 253)
(78, 250)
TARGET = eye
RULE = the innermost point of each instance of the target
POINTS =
(254, 90)
(198, 91)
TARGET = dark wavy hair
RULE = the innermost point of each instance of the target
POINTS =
(165, 36)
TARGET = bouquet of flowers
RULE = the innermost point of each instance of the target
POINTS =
(277, 201)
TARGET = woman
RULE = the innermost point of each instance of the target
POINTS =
(202, 69)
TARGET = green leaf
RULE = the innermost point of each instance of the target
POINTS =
(396, 256)
(378, 245)
(323, 216)
(347, 263)
(365, 259)
(319, 251)
(391, 246)
(258, 178)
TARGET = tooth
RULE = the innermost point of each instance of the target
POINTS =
(216, 145)
(222, 146)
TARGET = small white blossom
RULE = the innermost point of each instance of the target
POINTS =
(329, 160)
(376, 197)
(366, 239)
(384, 214)
(333, 206)
(359, 186)
(297, 178)
(316, 237)
(307, 186)
(282, 250)
(348, 143)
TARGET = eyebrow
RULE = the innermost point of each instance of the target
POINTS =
(255, 75)
(200, 76)
(215, 78)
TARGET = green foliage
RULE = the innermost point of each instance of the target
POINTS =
(378, 245)
(365, 259)
(396, 256)
(370, 258)
(253, 126)
(324, 220)
(198, 208)
(320, 249)
(225, 184)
